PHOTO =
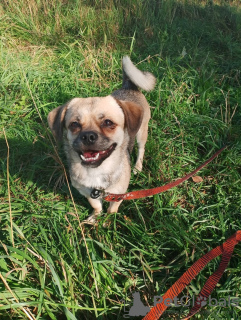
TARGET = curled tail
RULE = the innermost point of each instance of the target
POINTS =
(134, 78)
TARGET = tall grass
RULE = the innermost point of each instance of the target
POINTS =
(52, 266)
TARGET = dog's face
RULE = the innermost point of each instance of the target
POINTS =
(96, 127)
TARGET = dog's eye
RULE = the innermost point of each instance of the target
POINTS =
(108, 123)
(74, 125)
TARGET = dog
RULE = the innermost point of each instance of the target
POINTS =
(99, 134)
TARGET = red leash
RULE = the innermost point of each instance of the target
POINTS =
(146, 193)
(226, 249)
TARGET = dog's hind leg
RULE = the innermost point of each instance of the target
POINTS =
(141, 138)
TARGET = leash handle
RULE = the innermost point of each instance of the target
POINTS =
(226, 249)
(150, 192)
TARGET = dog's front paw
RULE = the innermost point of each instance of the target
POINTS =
(92, 219)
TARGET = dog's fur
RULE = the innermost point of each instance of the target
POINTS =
(99, 134)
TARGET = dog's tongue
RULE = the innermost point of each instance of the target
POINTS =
(90, 154)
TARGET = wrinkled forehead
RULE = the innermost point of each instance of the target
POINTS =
(80, 109)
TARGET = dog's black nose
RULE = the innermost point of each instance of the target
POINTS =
(88, 137)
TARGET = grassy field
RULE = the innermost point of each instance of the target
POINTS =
(52, 266)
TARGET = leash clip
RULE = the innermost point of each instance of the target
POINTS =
(96, 193)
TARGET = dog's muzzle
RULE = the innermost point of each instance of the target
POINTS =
(88, 138)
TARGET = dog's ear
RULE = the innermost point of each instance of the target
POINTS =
(56, 121)
(133, 113)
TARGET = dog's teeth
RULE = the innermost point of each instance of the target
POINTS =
(90, 159)
(97, 156)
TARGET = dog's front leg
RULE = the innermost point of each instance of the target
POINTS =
(96, 204)
(113, 207)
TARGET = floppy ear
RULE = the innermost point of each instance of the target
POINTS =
(56, 121)
(133, 118)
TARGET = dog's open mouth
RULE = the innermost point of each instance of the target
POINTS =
(95, 158)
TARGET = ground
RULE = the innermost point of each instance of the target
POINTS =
(53, 266)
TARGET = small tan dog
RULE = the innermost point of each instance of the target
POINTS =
(99, 134)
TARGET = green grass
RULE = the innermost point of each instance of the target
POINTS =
(51, 265)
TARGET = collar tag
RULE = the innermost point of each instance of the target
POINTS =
(96, 193)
